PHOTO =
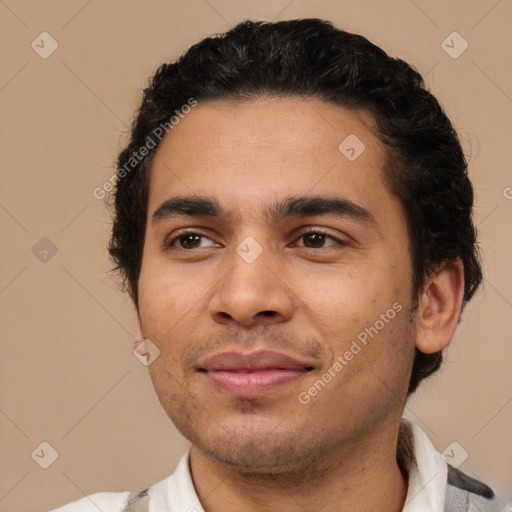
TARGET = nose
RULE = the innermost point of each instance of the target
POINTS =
(252, 294)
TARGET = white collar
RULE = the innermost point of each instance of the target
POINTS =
(427, 481)
(426, 491)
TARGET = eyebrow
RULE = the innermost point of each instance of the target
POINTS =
(297, 206)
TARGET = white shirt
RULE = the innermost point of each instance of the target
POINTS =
(176, 493)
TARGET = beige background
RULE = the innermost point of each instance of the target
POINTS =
(68, 375)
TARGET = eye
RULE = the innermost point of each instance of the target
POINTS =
(188, 241)
(193, 240)
(317, 239)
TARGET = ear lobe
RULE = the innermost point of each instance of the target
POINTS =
(439, 307)
(133, 297)
(139, 331)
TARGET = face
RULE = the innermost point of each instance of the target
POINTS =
(276, 282)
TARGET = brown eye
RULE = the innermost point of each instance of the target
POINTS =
(316, 240)
(188, 241)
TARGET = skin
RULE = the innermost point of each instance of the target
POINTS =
(309, 300)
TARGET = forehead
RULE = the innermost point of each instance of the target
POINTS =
(250, 152)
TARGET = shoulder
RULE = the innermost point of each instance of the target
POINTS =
(464, 493)
(174, 492)
(104, 501)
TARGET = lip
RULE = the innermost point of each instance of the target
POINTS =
(254, 374)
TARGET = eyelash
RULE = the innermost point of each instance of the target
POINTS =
(169, 245)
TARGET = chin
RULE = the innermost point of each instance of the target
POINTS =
(256, 448)
(256, 456)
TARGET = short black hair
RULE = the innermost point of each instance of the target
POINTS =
(310, 58)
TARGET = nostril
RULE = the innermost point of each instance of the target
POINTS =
(267, 313)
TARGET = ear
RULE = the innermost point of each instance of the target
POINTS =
(439, 307)
(139, 336)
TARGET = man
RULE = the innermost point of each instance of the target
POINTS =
(293, 224)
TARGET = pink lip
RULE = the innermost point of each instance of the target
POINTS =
(252, 375)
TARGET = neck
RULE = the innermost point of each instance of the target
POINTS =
(367, 474)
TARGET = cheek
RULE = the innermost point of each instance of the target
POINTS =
(376, 361)
(347, 299)
(163, 308)
(166, 296)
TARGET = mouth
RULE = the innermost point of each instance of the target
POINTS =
(252, 375)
